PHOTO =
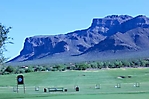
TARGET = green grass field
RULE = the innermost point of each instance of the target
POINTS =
(86, 80)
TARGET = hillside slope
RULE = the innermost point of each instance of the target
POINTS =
(113, 34)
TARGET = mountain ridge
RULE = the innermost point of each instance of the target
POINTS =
(114, 33)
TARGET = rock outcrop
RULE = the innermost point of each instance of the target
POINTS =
(113, 33)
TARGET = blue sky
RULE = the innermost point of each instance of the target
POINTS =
(49, 17)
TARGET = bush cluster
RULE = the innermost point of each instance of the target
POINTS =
(76, 66)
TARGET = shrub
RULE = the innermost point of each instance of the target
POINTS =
(9, 69)
(20, 71)
(29, 70)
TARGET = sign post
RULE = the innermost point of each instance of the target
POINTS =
(20, 81)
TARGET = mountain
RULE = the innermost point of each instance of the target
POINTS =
(113, 34)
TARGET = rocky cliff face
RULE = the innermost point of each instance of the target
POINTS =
(112, 33)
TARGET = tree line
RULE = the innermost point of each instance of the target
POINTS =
(76, 66)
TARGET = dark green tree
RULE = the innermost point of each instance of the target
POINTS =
(94, 65)
(100, 65)
(4, 39)
(28, 70)
(9, 69)
(118, 64)
(126, 63)
(106, 64)
(144, 63)
(82, 66)
(111, 65)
